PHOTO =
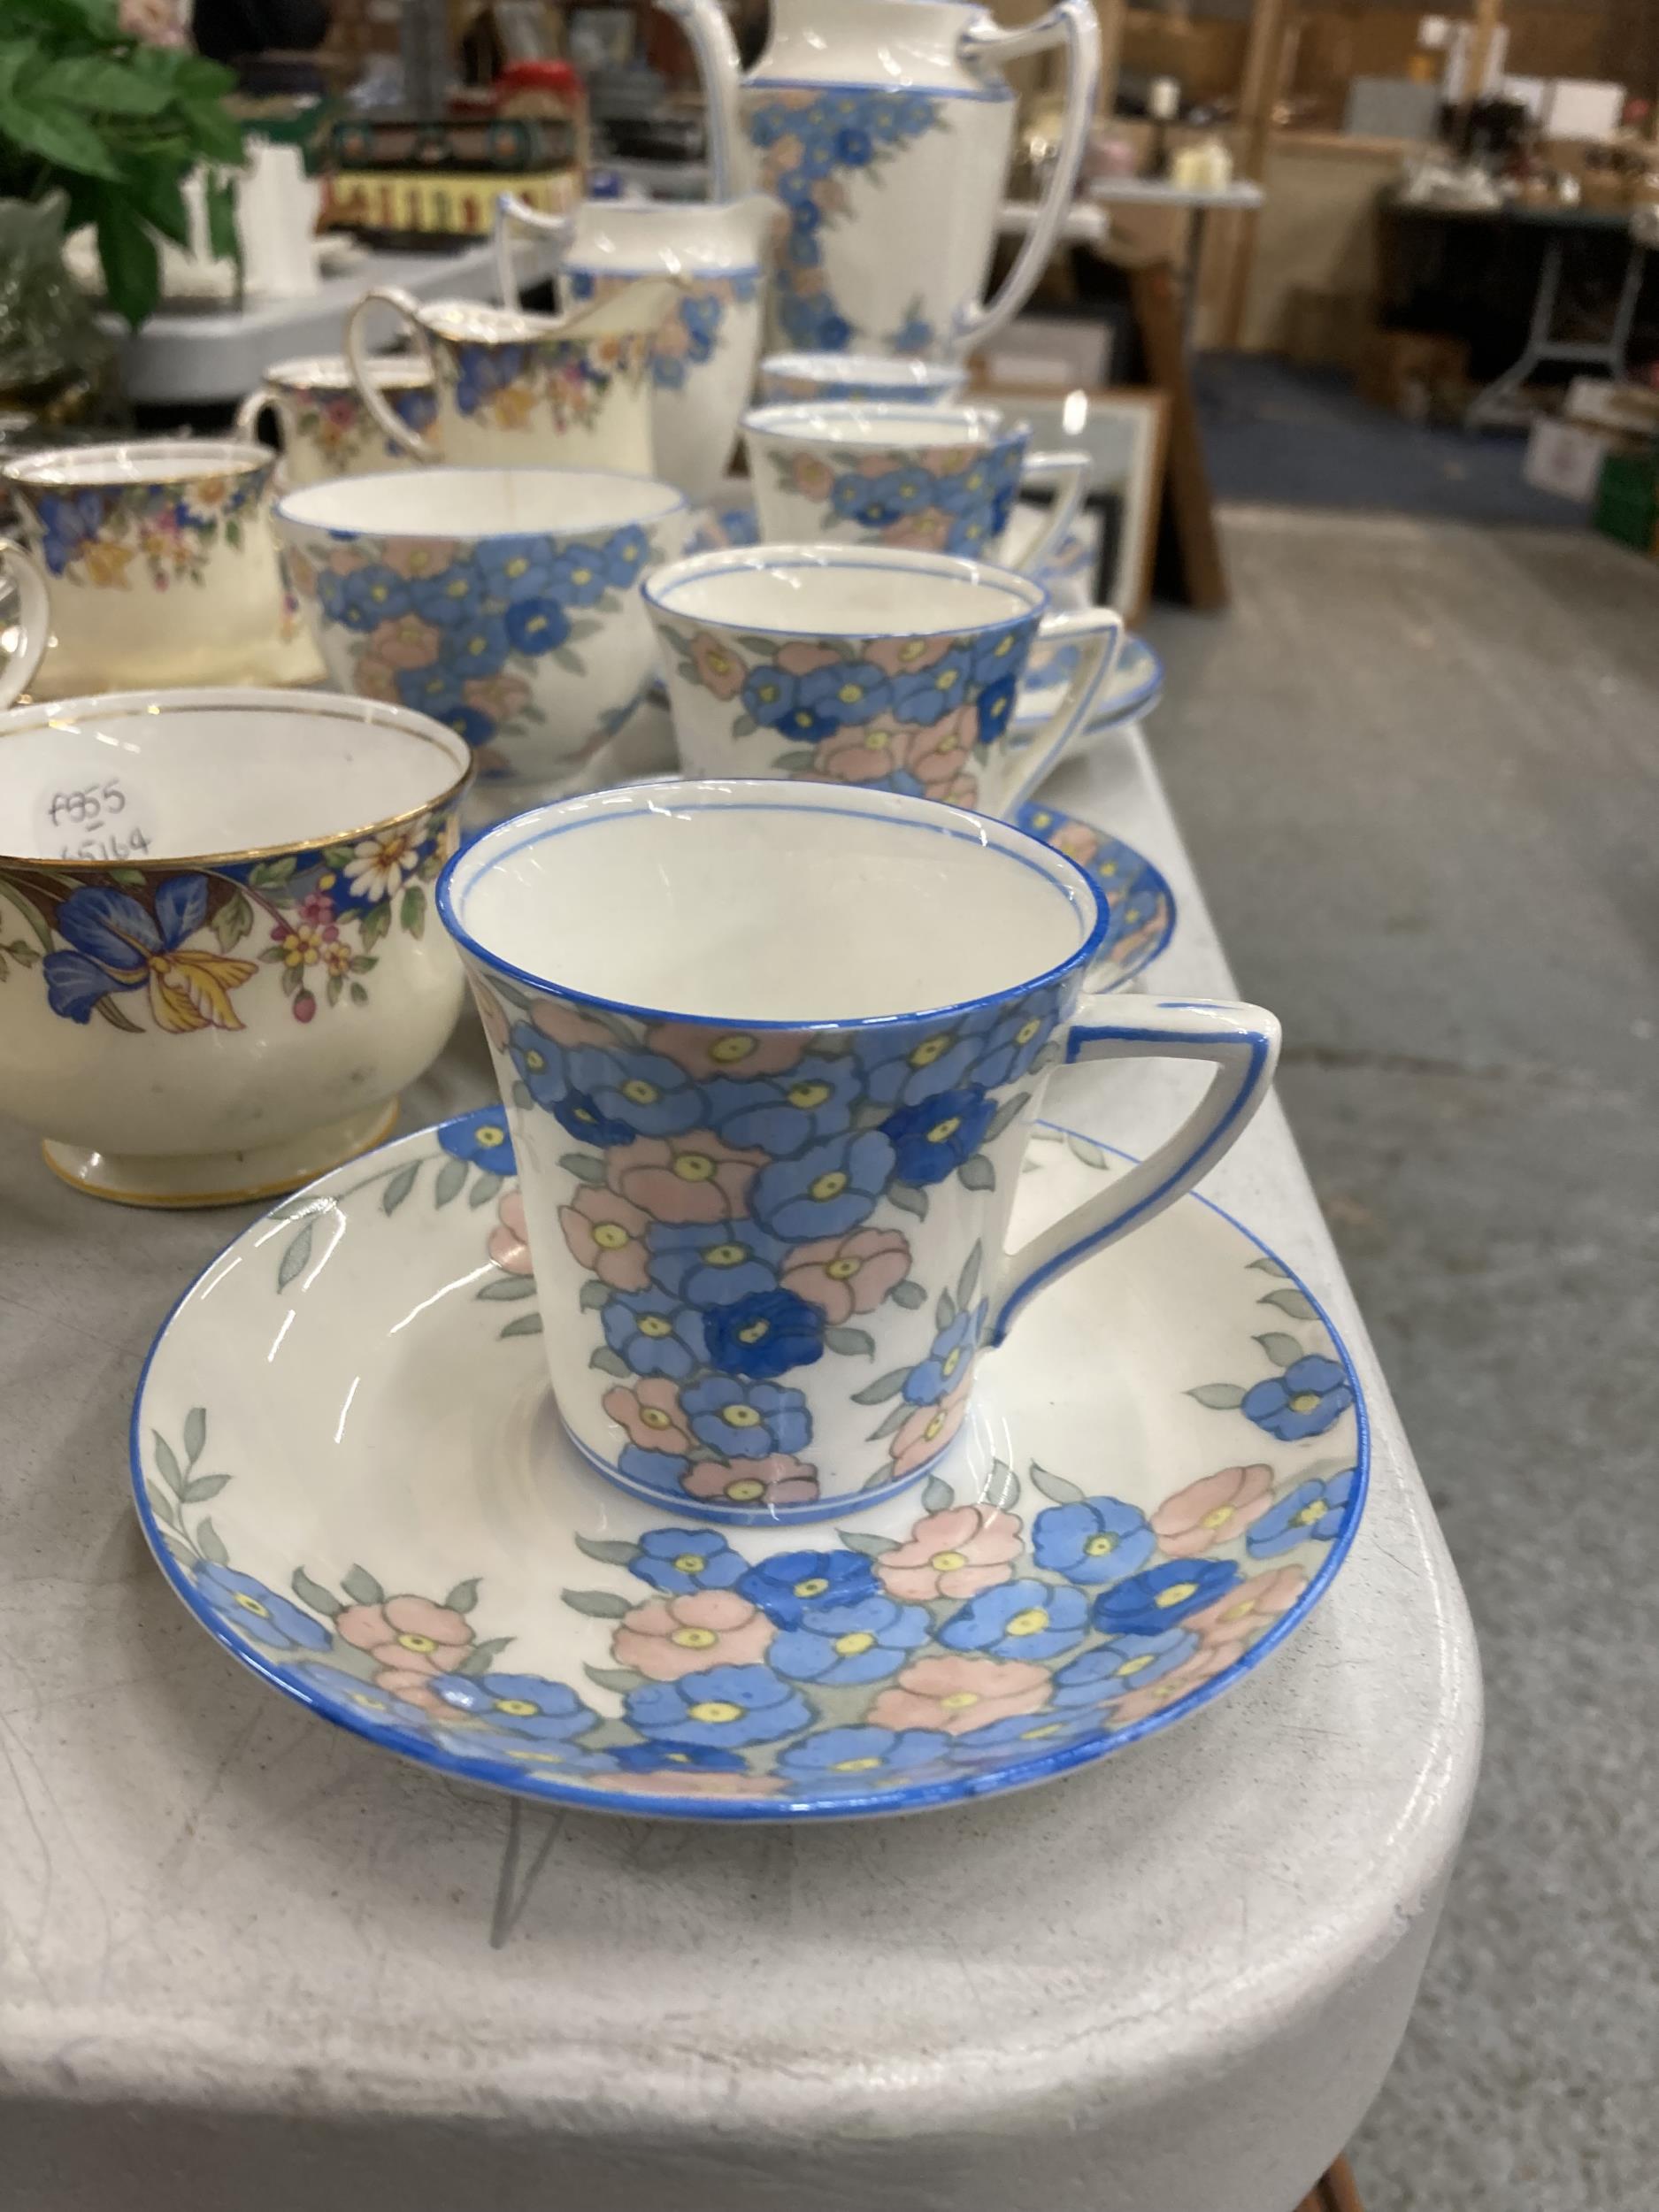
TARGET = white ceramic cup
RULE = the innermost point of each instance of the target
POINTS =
(866, 376)
(771, 1054)
(866, 665)
(156, 565)
(503, 601)
(325, 428)
(219, 971)
(929, 478)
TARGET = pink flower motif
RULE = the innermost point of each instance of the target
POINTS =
(673, 339)
(1076, 841)
(500, 697)
(413, 1686)
(685, 1782)
(705, 1051)
(719, 670)
(669, 1637)
(927, 1432)
(1212, 1511)
(942, 757)
(346, 560)
(317, 908)
(302, 574)
(371, 678)
(607, 1235)
(847, 1275)
(960, 1693)
(568, 1026)
(902, 655)
(1249, 1605)
(924, 532)
(693, 1177)
(778, 1479)
(409, 1634)
(649, 1411)
(954, 1554)
(864, 754)
(801, 659)
(406, 642)
(1206, 1663)
(421, 556)
(879, 464)
(493, 1014)
(510, 1240)
(813, 479)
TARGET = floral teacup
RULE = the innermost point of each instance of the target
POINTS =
(932, 478)
(503, 601)
(878, 376)
(219, 971)
(869, 665)
(771, 1054)
(326, 430)
(158, 566)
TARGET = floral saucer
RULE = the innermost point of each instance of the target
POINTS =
(1139, 904)
(346, 1460)
(1133, 690)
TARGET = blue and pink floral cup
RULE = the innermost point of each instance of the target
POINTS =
(772, 1053)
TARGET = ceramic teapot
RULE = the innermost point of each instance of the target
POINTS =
(705, 351)
(571, 391)
(885, 126)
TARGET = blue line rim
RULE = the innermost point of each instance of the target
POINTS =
(762, 421)
(282, 509)
(924, 1797)
(838, 1507)
(772, 791)
(992, 96)
(890, 560)
(576, 265)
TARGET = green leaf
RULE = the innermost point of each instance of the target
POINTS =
(265, 873)
(884, 1387)
(1086, 1149)
(161, 1505)
(411, 911)
(217, 135)
(132, 266)
(1292, 1302)
(593, 1295)
(611, 1551)
(978, 1173)
(936, 1495)
(450, 1177)
(361, 1587)
(967, 1281)
(486, 1187)
(210, 1544)
(1219, 1397)
(526, 1324)
(96, 80)
(944, 1310)
(895, 1421)
(909, 1200)
(745, 725)
(1001, 1489)
(233, 921)
(609, 1362)
(58, 134)
(155, 193)
(1267, 1265)
(30, 912)
(1009, 1110)
(793, 762)
(621, 1679)
(1055, 1488)
(1281, 1348)
(859, 1540)
(398, 1189)
(510, 1288)
(312, 1593)
(360, 996)
(584, 1167)
(464, 1597)
(200, 1488)
(223, 238)
(167, 1464)
(521, 1094)
(376, 922)
(852, 1343)
(601, 1605)
(195, 1433)
(907, 1293)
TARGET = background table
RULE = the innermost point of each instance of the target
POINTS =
(252, 1963)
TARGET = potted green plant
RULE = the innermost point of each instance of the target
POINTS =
(93, 112)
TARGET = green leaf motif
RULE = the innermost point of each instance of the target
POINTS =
(312, 1593)
(885, 1386)
(296, 1256)
(600, 1605)
(944, 1310)
(593, 1295)
(1283, 1350)
(609, 1362)
(361, 1587)
(210, 1544)
(622, 1679)
(1086, 1149)
(977, 1173)
(909, 1200)
(1219, 1397)
(195, 1433)
(1292, 1302)
(1267, 1265)
(510, 1288)
(851, 1343)
(411, 911)
(894, 1421)
(483, 1657)
(464, 1597)
(451, 1175)
(200, 1488)
(584, 1167)
(967, 1281)
(907, 1293)
(360, 996)
(526, 1324)
(167, 1463)
(611, 1551)
(521, 1094)
(486, 1187)
(1055, 1488)
(937, 1495)
(1010, 1110)
(398, 1189)
(233, 921)
(860, 1540)
(376, 922)
(1001, 1489)
(161, 1505)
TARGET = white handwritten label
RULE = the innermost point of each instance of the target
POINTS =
(104, 819)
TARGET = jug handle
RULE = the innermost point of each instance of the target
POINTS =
(1074, 22)
(706, 26)
(510, 209)
(405, 304)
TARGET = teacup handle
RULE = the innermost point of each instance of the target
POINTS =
(1242, 1042)
(1068, 472)
(407, 308)
(33, 619)
(510, 209)
(247, 424)
(1101, 633)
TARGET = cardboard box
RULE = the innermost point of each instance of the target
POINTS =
(1630, 411)
(1416, 373)
(1565, 458)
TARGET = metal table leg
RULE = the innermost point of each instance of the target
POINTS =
(1498, 404)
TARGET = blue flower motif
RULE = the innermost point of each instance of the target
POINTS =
(928, 694)
(766, 1333)
(653, 1335)
(782, 1115)
(1311, 1393)
(534, 1755)
(932, 1140)
(842, 1644)
(712, 1262)
(515, 568)
(852, 1758)
(479, 647)
(625, 553)
(1033, 1732)
(449, 597)
(649, 1094)
(791, 1584)
(902, 1067)
(579, 576)
(1312, 1509)
(1097, 1541)
(537, 626)
(873, 502)
(246, 1604)
(769, 694)
(113, 941)
(855, 149)
(1017, 1035)
(526, 1704)
(744, 1421)
(995, 707)
(372, 596)
(679, 1560)
(68, 520)
(480, 1140)
(1128, 1662)
(931, 1378)
(364, 1697)
(657, 1471)
(1162, 1597)
(1020, 1620)
(434, 690)
(825, 1190)
(667, 1758)
(850, 692)
(582, 1116)
(721, 1707)
(539, 1063)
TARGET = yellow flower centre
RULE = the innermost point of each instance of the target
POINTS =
(959, 1700)
(877, 740)
(1032, 1622)
(933, 1428)
(944, 1561)
(814, 1586)
(952, 1360)
(694, 1167)
(1177, 1594)
(943, 1131)
(1026, 1031)
(1304, 1401)
(693, 1638)
(1134, 1665)
(487, 1138)
(654, 1324)
(714, 1712)
(854, 1766)
(581, 575)
(841, 1271)
(653, 1417)
(1219, 1519)
(929, 1050)
(689, 1562)
(520, 1708)
(458, 589)
(1310, 1514)
(729, 1050)
(411, 1642)
(745, 1490)
(252, 1605)
(807, 1095)
(856, 1641)
(534, 1061)
(611, 1236)
(725, 1255)
(1241, 1611)
(754, 1332)
(826, 1187)
(1048, 1728)
(1100, 1546)
(641, 1092)
(741, 1416)
(517, 566)
(476, 645)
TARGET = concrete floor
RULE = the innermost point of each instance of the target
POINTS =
(1418, 764)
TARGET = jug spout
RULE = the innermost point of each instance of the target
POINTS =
(704, 24)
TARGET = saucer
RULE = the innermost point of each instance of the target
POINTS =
(347, 1462)
(1133, 690)
(1139, 904)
